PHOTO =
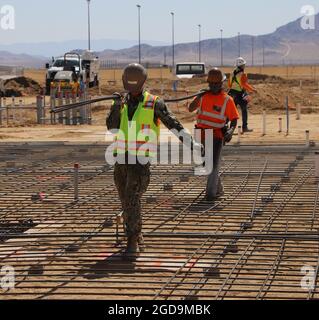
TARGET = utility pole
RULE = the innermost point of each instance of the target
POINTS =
(239, 51)
(139, 34)
(199, 44)
(173, 40)
(89, 25)
(221, 48)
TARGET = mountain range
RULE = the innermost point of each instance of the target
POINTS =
(287, 44)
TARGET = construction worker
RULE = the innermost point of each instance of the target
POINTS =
(239, 89)
(133, 177)
(215, 109)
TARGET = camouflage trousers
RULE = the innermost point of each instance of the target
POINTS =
(132, 180)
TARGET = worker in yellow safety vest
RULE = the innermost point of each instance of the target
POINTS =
(136, 118)
(240, 90)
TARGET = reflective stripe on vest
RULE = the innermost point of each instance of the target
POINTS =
(140, 139)
(211, 117)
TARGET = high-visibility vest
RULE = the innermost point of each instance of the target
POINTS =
(210, 116)
(236, 82)
(139, 137)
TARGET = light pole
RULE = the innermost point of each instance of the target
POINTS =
(139, 34)
(89, 25)
(221, 48)
(239, 51)
(173, 39)
(199, 43)
(263, 53)
(252, 51)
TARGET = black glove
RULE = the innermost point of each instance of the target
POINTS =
(228, 135)
(118, 95)
(118, 101)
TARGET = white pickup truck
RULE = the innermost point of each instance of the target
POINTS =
(86, 67)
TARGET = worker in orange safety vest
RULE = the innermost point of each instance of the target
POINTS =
(215, 108)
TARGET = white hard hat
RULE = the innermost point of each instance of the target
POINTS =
(240, 62)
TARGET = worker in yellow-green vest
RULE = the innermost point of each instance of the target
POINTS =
(240, 90)
(137, 117)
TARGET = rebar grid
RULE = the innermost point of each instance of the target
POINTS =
(251, 244)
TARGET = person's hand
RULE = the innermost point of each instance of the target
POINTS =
(118, 101)
(198, 148)
(229, 135)
(118, 95)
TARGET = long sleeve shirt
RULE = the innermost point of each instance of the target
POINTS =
(243, 81)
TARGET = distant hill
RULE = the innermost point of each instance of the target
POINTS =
(289, 44)
(49, 49)
(29, 61)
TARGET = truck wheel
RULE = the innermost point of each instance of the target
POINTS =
(96, 82)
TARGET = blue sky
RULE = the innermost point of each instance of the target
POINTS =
(44, 20)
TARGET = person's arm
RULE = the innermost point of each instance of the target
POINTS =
(114, 118)
(163, 113)
(194, 105)
(245, 85)
(233, 115)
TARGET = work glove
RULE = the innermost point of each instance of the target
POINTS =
(118, 96)
(228, 135)
(118, 101)
(198, 148)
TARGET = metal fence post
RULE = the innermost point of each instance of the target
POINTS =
(60, 103)
(0, 111)
(39, 109)
(13, 104)
(298, 111)
(264, 123)
(317, 164)
(76, 181)
(307, 138)
(68, 112)
(239, 134)
(287, 116)
(280, 125)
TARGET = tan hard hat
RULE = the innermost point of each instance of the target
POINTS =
(215, 75)
(134, 77)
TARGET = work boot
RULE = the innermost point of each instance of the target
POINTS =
(220, 191)
(132, 249)
(246, 130)
(141, 244)
(213, 198)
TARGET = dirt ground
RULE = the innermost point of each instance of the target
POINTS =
(271, 95)
(97, 132)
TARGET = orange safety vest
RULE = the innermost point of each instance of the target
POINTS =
(211, 116)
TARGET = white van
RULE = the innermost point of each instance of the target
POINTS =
(188, 70)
